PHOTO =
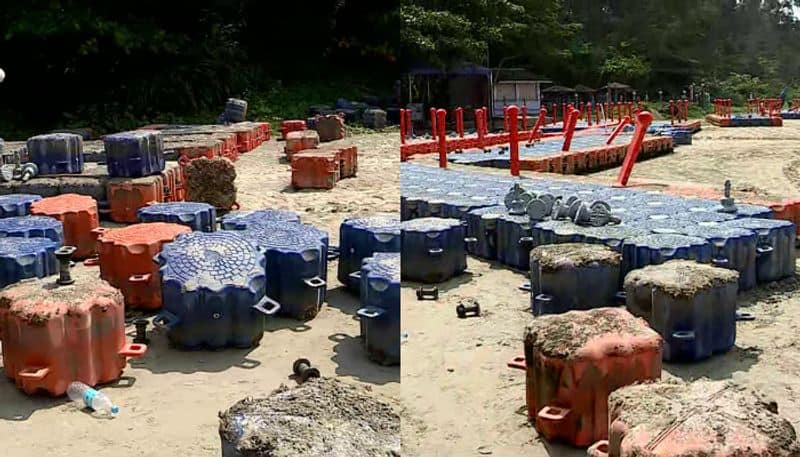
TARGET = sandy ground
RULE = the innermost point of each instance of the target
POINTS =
(764, 161)
(171, 408)
(464, 401)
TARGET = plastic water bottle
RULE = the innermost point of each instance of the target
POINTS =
(98, 401)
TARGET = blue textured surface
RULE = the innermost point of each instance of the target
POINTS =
(571, 288)
(240, 220)
(514, 241)
(17, 204)
(361, 237)
(200, 217)
(696, 327)
(743, 120)
(732, 247)
(775, 246)
(433, 249)
(56, 153)
(642, 213)
(556, 232)
(482, 225)
(210, 283)
(653, 249)
(24, 258)
(380, 288)
(296, 264)
(134, 154)
(33, 227)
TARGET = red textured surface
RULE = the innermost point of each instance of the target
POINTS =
(246, 136)
(127, 195)
(292, 126)
(79, 215)
(315, 169)
(191, 150)
(126, 260)
(172, 177)
(301, 140)
(581, 385)
(347, 157)
(230, 147)
(266, 130)
(79, 341)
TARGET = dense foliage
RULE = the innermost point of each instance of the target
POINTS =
(115, 64)
(729, 47)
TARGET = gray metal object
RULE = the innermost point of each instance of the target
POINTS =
(428, 293)
(28, 171)
(517, 199)
(6, 172)
(548, 200)
(472, 307)
(597, 214)
(537, 210)
(303, 370)
(728, 203)
(64, 254)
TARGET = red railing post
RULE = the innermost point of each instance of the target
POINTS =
(402, 126)
(672, 112)
(625, 121)
(565, 116)
(433, 123)
(442, 115)
(410, 124)
(524, 118)
(513, 118)
(485, 119)
(540, 122)
(643, 121)
(573, 119)
(479, 126)
(589, 113)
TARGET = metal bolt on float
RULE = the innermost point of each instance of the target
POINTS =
(428, 293)
(141, 331)
(303, 370)
(471, 309)
(63, 255)
(728, 203)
